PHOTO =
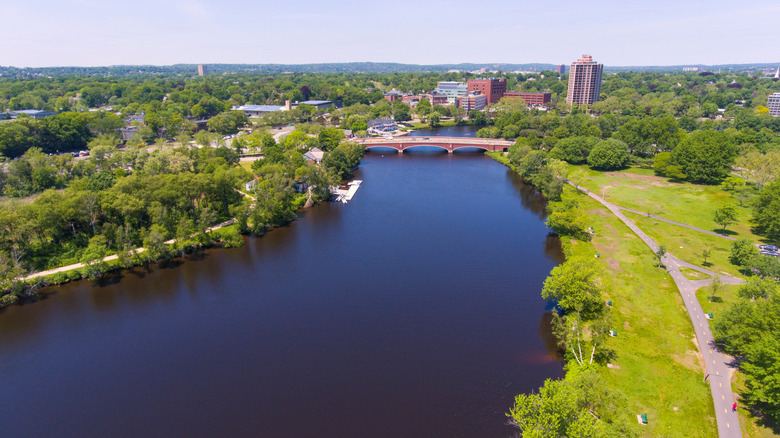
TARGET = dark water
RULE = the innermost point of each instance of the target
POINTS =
(413, 311)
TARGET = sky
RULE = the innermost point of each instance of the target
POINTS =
(163, 32)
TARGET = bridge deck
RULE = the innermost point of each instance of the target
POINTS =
(448, 143)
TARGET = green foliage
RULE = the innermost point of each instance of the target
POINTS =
(705, 156)
(579, 405)
(576, 286)
(742, 252)
(228, 123)
(574, 150)
(765, 211)
(725, 216)
(609, 155)
(567, 219)
(750, 331)
(344, 158)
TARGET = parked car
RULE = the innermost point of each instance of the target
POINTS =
(771, 253)
(768, 248)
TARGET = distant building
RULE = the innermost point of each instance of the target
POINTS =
(453, 90)
(393, 95)
(435, 99)
(259, 110)
(493, 88)
(689, 69)
(319, 104)
(314, 155)
(561, 69)
(773, 103)
(35, 114)
(584, 81)
(473, 102)
(531, 98)
(378, 126)
(128, 132)
(201, 70)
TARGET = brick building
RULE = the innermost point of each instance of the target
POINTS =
(493, 88)
(531, 98)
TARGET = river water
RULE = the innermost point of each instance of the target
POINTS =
(412, 311)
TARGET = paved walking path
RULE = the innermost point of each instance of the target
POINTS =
(718, 366)
(115, 256)
(690, 227)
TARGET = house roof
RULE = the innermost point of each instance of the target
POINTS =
(315, 102)
(315, 154)
(260, 108)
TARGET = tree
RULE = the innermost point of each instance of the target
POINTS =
(434, 119)
(401, 111)
(580, 405)
(660, 255)
(576, 286)
(725, 216)
(93, 256)
(715, 288)
(567, 219)
(571, 331)
(742, 251)
(228, 123)
(765, 209)
(757, 287)
(609, 155)
(759, 168)
(423, 107)
(574, 150)
(705, 156)
(329, 138)
(706, 252)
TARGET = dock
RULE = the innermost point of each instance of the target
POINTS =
(346, 195)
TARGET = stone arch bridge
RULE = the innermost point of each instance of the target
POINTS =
(450, 144)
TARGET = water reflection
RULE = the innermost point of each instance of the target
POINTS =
(419, 300)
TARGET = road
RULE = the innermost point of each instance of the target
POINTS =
(718, 366)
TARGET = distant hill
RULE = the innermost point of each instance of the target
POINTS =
(347, 67)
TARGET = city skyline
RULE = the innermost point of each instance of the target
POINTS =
(165, 32)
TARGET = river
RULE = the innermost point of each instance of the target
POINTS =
(412, 311)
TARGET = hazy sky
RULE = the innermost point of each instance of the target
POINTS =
(162, 32)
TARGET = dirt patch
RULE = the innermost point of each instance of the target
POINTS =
(614, 265)
(649, 179)
(689, 360)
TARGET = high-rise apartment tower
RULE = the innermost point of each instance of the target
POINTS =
(584, 81)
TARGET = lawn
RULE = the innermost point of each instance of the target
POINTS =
(640, 189)
(660, 371)
(688, 244)
(720, 302)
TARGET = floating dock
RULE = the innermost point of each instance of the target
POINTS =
(346, 195)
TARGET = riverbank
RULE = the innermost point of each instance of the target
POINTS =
(659, 371)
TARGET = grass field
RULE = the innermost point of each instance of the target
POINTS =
(688, 244)
(640, 189)
(660, 371)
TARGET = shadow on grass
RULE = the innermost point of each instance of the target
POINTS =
(723, 232)
(715, 299)
(706, 264)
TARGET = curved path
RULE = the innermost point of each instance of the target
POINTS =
(718, 366)
(690, 227)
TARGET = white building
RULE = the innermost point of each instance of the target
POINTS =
(773, 103)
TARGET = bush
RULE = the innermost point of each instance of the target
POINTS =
(609, 155)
